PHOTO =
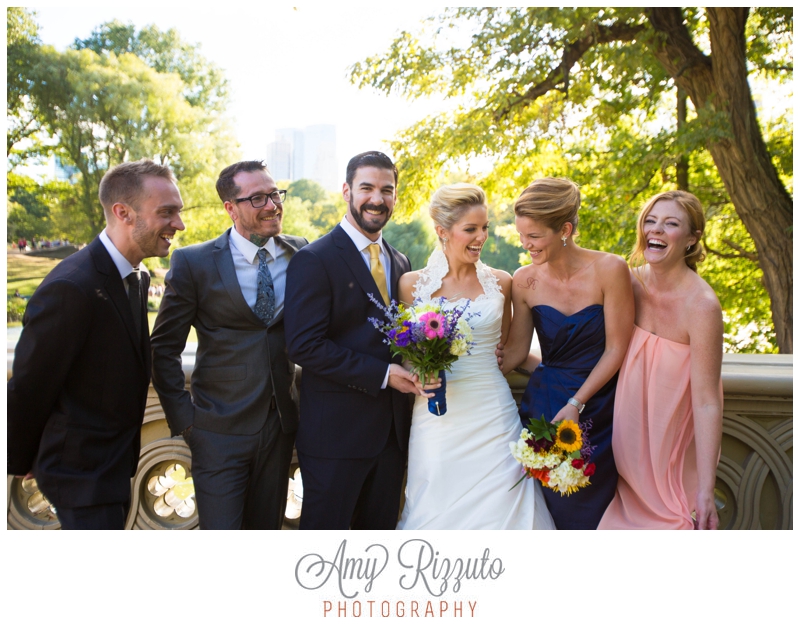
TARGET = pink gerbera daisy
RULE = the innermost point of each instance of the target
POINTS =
(434, 325)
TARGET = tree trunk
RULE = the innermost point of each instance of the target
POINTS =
(682, 166)
(719, 85)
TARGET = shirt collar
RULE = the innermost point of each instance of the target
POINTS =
(249, 249)
(359, 238)
(123, 266)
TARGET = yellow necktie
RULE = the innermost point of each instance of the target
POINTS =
(376, 269)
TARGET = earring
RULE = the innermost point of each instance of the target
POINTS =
(564, 239)
(444, 244)
(688, 247)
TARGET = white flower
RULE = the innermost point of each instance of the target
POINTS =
(565, 478)
(464, 329)
(459, 347)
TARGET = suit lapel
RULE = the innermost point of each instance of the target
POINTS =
(116, 293)
(227, 273)
(289, 244)
(397, 270)
(353, 259)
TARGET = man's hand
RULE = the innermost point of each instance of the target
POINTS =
(500, 352)
(407, 382)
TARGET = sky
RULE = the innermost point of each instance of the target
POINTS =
(287, 66)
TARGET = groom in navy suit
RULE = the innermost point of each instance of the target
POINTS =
(355, 416)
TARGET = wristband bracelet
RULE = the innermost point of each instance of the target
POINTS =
(574, 402)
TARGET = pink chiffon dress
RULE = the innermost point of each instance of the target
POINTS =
(653, 439)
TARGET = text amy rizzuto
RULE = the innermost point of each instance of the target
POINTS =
(423, 571)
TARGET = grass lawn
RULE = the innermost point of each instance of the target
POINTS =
(26, 273)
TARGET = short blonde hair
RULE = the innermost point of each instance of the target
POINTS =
(551, 201)
(452, 201)
(697, 225)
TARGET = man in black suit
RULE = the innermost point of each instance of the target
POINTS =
(77, 394)
(354, 415)
(240, 418)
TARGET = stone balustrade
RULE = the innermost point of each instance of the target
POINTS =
(754, 476)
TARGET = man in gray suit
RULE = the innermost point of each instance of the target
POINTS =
(241, 416)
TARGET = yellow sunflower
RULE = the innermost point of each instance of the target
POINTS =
(568, 436)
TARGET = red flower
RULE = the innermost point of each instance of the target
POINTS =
(543, 475)
(577, 463)
(589, 470)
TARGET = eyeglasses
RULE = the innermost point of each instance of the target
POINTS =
(260, 199)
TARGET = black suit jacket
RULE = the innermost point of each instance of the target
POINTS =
(240, 364)
(78, 389)
(344, 413)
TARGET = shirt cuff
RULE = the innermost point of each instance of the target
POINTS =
(386, 378)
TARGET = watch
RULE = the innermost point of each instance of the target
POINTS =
(577, 404)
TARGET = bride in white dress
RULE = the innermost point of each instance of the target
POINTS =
(460, 469)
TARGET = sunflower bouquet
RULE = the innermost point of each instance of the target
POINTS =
(556, 454)
(430, 336)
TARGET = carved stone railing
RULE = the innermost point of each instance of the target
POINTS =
(754, 476)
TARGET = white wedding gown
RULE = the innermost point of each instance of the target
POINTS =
(460, 467)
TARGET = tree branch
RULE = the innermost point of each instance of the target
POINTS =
(573, 52)
(742, 253)
(677, 52)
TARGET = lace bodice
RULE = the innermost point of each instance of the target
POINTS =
(430, 279)
(488, 308)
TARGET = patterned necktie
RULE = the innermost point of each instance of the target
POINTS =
(265, 299)
(376, 269)
(135, 300)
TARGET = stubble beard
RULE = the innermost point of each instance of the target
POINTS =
(147, 241)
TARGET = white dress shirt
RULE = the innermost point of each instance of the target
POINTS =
(362, 244)
(123, 266)
(245, 261)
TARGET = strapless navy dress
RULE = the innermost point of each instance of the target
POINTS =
(571, 346)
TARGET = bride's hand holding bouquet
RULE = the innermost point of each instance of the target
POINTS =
(429, 337)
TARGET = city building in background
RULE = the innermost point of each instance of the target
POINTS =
(309, 153)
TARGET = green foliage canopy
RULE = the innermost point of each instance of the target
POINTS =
(592, 94)
(119, 96)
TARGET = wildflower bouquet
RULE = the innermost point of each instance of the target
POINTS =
(556, 454)
(430, 337)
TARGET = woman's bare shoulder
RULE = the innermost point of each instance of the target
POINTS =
(526, 271)
(409, 278)
(611, 267)
(702, 299)
(503, 280)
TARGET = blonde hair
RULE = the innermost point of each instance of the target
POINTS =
(551, 201)
(452, 201)
(697, 225)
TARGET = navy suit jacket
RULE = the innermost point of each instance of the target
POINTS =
(344, 413)
(78, 389)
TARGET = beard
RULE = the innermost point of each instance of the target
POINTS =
(365, 223)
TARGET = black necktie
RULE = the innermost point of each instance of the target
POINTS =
(135, 299)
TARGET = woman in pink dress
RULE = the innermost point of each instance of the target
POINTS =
(668, 408)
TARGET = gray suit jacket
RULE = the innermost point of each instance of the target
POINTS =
(240, 364)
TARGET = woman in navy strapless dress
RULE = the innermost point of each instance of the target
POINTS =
(581, 304)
